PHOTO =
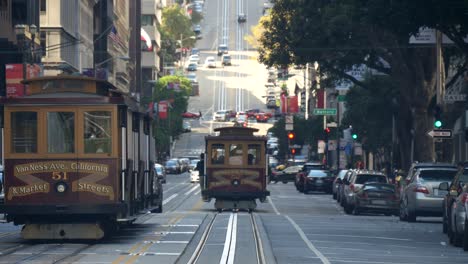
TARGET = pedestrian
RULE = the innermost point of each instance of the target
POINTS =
(200, 114)
(201, 172)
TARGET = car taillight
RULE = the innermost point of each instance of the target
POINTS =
(258, 117)
(421, 189)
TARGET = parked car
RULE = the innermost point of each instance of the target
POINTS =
(226, 60)
(222, 49)
(340, 194)
(301, 176)
(160, 171)
(453, 220)
(286, 175)
(377, 198)
(191, 115)
(421, 196)
(318, 180)
(195, 58)
(197, 29)
(192, 77)
(173, 166)
(252, 112)
(337, 182)
(355, 183)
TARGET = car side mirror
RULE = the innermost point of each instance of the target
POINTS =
(444, 186)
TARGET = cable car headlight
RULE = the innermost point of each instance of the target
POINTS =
(236, 182)
(61, 187)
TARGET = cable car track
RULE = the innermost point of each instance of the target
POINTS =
(229, 251)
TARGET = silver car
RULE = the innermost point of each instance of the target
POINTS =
(421, 196)
(337, 182)
(458, 235)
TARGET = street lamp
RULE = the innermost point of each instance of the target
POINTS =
(25, 49)
(97, 65)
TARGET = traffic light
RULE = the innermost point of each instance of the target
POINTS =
(354, 136)
(293, 151)
(437, 116)
(291, 135)
(326, 133)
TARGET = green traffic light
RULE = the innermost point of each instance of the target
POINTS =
(438, 123)
(354, 136)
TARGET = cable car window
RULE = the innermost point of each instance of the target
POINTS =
(24, 132)
(97, 132)
(60, 132)
(253, 156)
(235, 154)
(217, 154)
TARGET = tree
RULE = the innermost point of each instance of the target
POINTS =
(178, 99)
(256, 33)
(174, 25)
(343, 34)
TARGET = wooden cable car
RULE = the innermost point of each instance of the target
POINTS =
(78, 159)
(235, 168)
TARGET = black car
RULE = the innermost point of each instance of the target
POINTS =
(286, 175)
(241, 18)
(377, 197)
(318, 180)
(173, 166)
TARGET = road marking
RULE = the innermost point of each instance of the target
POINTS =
(181, 225)
(197, 193)
(170, 198)
(307, 241)
(386, 238)
(232, 247)
(191, 190)
(227, 244)
(273, 205)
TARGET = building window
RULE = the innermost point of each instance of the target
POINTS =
(147, 20)
(43, 5)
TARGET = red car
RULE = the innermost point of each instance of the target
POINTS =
(191, 115)
(262, 117)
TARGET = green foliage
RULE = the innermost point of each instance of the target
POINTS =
(172, 126)
(369, 112)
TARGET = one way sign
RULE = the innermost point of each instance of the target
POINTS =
(440, 133)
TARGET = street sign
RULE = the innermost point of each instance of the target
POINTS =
(295, 146)
(325, 111)
(289, 119)
(289, 127)
(440, 133)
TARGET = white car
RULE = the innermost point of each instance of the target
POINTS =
(194, 177)
(194, 58)
(210, 62)
(192, 77)
(221, 115)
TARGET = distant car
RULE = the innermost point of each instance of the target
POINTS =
(241, 18)
(286, 175)
(271, 103)
(197, 29)
(194, 51)
(252, 112)
(222, 49)
(226, 60)
(377, 198)
(193, 164)
(173, 166)
(223, 115)
(192, 77)
(337, 182)
(192, 66)
(210, 62)
(160, 171)
(186, 126)
(318, 180)
(190, 115)
(262, 117)
(194, 176)
(185, 163)
(194, 58)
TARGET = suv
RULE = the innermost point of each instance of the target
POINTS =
(222, 49)
(226, 60)
(355, 182)
(421, 194)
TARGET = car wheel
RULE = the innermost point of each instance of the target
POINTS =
(465, 236)
(402, 212)
(348, 209)
(457, 238)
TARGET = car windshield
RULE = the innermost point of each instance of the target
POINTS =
(158, 169)
(341, 174)
(365, 178)
(171, 163)
(318, 174)
(437, 175)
